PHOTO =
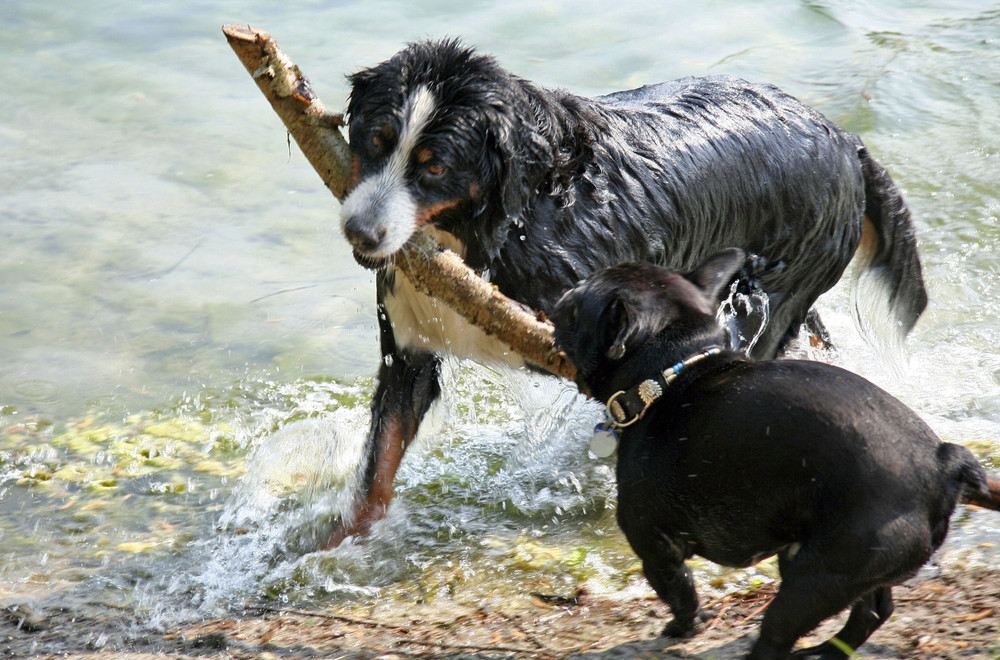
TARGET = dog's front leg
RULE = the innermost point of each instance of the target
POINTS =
(408, 383)
(674, 585)
(665, 570)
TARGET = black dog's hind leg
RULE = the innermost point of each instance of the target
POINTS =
(408, 383)
(811, 591)
(870, 612)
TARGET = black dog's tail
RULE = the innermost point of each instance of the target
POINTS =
(988, 497)
(887, 255)
(964, 471)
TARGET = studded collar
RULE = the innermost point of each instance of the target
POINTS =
(626, 407)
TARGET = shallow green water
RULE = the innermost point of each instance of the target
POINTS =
(186, 346)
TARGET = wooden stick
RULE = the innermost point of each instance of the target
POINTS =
(432, 269)
(315, 130)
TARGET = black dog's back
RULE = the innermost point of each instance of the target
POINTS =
(753, 457)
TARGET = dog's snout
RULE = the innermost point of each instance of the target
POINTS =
(363, 235)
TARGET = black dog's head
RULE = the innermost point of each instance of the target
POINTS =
(441, 135)
(615, 314)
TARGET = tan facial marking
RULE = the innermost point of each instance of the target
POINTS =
(427, 214)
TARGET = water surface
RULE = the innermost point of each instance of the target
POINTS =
(187, 348)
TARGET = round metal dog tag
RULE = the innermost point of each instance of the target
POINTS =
(604, 442)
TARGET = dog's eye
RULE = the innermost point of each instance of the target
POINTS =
(380, 140)
(373, 147)
(435, 169)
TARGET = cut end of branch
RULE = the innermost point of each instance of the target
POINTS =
(315, 130)
(244, 33)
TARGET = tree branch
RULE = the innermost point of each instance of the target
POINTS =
(432, 269)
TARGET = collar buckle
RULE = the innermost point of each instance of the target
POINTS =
(616, 413)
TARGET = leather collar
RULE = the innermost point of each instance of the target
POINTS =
(626, 407)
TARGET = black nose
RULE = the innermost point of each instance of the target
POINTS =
(364, 236)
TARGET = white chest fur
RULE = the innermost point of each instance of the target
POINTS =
(425, 323)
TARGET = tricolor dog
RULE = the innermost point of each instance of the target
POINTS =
(737, 460)
(537, 189)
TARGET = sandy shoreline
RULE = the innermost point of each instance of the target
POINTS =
(953, 612)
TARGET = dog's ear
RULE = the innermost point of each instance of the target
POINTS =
(632, 319)
(518, 154)
(716, 273)
(522, 161)
(361, 84)
(616, 320)
(587, 327)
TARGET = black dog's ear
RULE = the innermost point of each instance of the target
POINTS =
(590, 326)
(715, 274)
(361, 83)
(617, 322)
(632, 320)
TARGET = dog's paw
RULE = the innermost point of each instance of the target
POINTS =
(677, 629)
(684, 628)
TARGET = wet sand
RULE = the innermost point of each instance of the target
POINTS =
(949, 612)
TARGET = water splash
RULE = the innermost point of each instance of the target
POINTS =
(502, 455)
(311, 461)
(297, 479)
(751, 308)
(498, 489)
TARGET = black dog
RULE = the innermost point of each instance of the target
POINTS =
(736, 460)
(537, 189)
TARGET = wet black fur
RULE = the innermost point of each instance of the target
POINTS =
(553, 186)
(741, 460)
(667, 173)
